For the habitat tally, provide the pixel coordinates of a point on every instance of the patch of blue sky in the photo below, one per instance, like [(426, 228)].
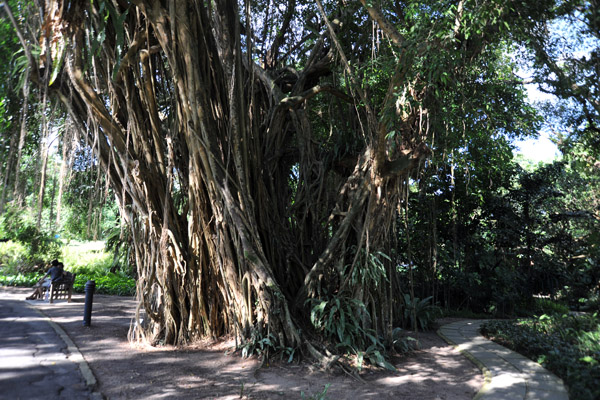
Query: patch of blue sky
[(569, 40)]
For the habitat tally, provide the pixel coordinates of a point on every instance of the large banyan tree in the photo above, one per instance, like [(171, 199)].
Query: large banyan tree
[(260, 151)]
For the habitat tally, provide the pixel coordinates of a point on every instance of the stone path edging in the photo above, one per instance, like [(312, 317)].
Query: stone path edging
[(508, 375)]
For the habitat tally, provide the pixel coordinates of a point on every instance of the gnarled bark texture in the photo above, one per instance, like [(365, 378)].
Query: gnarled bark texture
[(250, 184)]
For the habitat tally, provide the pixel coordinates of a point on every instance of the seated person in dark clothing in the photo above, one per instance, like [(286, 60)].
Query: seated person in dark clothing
[(54, 274)]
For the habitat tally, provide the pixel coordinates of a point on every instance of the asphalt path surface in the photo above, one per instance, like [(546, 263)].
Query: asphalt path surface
[(34, 359)]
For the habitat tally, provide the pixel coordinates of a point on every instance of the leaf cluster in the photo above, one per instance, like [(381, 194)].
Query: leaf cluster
[(339, 319)]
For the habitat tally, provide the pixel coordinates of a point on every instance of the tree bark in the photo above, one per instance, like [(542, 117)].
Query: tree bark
[(7, 171), (67, 142), (240, 210)]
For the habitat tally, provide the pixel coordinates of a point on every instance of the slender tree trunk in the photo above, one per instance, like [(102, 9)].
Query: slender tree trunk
[(67, 142), (19, 195), (7, 171), (42, 184), (434, 250), (44, 145), (52, 200)]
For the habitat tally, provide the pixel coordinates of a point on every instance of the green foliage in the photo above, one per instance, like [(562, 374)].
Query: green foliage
[(90, 261), (339, 319), (504, 235), (369, 271), (259, 344), (13, 255), (86, 257), (549, 306), (39, 244), (110, 284), (401, 342), (423, 311), (20, 279), (567, 345), (118, 243)]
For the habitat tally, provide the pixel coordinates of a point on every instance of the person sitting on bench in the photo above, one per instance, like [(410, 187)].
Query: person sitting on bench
[(54, 275)]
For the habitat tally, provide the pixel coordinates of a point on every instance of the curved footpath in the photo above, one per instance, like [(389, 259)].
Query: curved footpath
[(508, 375), (39, 360)]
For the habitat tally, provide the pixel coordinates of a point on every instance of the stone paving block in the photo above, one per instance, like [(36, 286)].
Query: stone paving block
[(451, 327), (505, 391), (496, 348), (454, 336), (516, 356), (545, 376), (491, 360), (527, 365), (480, 341), (470, 332), (545, 385), (546, 395)]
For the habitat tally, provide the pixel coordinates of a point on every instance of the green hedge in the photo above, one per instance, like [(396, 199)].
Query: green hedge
[(110, 283)]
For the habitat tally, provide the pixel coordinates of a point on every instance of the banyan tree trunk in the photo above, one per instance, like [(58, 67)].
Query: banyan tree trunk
[(200, 143)]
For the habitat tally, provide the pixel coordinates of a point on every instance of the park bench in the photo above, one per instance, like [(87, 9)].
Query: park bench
[(61, 289)]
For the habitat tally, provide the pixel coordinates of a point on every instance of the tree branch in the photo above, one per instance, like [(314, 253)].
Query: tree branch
[(30, 59)]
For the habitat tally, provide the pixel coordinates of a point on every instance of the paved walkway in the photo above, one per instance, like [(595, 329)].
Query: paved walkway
[(508, 375), (37, 359)]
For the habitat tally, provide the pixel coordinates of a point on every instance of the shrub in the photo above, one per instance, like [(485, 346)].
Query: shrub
[(39, 244), (111, 284), (339, 319), (423, 311), (12, 256), (86, 258), (27, 280), (550, 307)]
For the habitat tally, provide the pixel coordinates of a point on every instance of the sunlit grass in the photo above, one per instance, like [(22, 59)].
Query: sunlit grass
[(86, 257)]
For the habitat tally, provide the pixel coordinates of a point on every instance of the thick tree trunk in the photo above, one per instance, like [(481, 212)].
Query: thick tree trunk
[(201, 144)]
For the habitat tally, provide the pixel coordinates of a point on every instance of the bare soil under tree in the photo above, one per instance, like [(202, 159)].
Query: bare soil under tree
[(212, 370)]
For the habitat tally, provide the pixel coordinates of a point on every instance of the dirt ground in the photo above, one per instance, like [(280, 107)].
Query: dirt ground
[(212, 371)]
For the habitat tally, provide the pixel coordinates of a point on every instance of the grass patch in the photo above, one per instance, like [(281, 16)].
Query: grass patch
[(567, 345), (86, 258)]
